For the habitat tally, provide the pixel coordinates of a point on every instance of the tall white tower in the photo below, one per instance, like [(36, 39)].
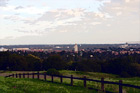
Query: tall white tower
[(76, 48)]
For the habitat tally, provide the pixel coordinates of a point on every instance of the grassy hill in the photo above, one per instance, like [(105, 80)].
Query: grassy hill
[(14, 85), (36, 86), (108, 77)]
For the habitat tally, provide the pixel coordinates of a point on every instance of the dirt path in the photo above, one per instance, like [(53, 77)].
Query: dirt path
[(26, 76), (6, 73)]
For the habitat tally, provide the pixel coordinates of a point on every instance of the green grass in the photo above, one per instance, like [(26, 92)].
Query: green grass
[(88, 74), (14, 85), (108, 77), (80, 89)]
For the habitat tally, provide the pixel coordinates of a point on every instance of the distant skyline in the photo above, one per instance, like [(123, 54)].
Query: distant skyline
[(69, 21)]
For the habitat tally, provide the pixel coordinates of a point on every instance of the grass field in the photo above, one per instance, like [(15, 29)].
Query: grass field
[(108, 77), (14, 85), (36, 86)]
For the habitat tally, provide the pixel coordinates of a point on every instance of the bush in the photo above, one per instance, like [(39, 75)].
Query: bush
[(53, 72), (124, 74)]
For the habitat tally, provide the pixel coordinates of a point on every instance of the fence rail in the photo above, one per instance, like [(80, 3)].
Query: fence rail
[(85, 79)]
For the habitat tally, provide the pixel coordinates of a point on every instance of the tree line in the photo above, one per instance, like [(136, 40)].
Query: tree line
[(123, 65)]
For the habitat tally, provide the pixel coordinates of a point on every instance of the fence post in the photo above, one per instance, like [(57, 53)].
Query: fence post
[(16, 75), (61, 79), (33, 75), (45, 76), (23, 75), (71, 80), (28, 75), (120, 86), (102, 84), (38, 75), (12, 75), (52, 78), (19, 75), (85, 83)]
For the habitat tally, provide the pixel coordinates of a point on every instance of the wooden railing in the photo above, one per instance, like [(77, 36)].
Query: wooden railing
[(85, 79)]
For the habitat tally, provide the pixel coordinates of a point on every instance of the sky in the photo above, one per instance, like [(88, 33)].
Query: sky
[(69, 21)]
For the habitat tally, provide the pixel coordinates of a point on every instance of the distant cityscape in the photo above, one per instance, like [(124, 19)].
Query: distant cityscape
[(115, 49)]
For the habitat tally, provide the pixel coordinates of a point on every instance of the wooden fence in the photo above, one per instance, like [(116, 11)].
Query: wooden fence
[(85, 79)]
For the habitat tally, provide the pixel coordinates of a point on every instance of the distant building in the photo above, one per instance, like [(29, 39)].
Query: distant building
[(58, 47), (124, 46), (3, 49), (21, 49), (81, 53), (91, 56), (76, 48)]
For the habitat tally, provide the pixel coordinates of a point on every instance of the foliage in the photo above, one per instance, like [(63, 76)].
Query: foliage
[(88, 65), (123, 65), (54, 61), (53, 72), (33, 62), (16, 62)]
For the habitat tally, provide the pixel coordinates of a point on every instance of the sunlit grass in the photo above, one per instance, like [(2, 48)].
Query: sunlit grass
[(14, 85), (91, 75)]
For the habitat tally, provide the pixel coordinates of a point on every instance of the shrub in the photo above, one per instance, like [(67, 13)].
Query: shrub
[(124, 74), (53, 72)]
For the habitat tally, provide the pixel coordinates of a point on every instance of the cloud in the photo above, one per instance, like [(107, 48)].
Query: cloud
[(122, 7), (3, 2), (116, 21), (63, 20), (127, 1), (25, 10), (61, 14), (96, 23), (17, 18), (118, 13), (19, 7)]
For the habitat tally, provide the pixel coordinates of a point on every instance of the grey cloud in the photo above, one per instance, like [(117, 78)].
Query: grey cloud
[(94, 26), (3, 2), (127, 8), (22, 31), (59, 14), (13, 17), (85, 20), (56, 15), (48, 16), (19, 7)]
